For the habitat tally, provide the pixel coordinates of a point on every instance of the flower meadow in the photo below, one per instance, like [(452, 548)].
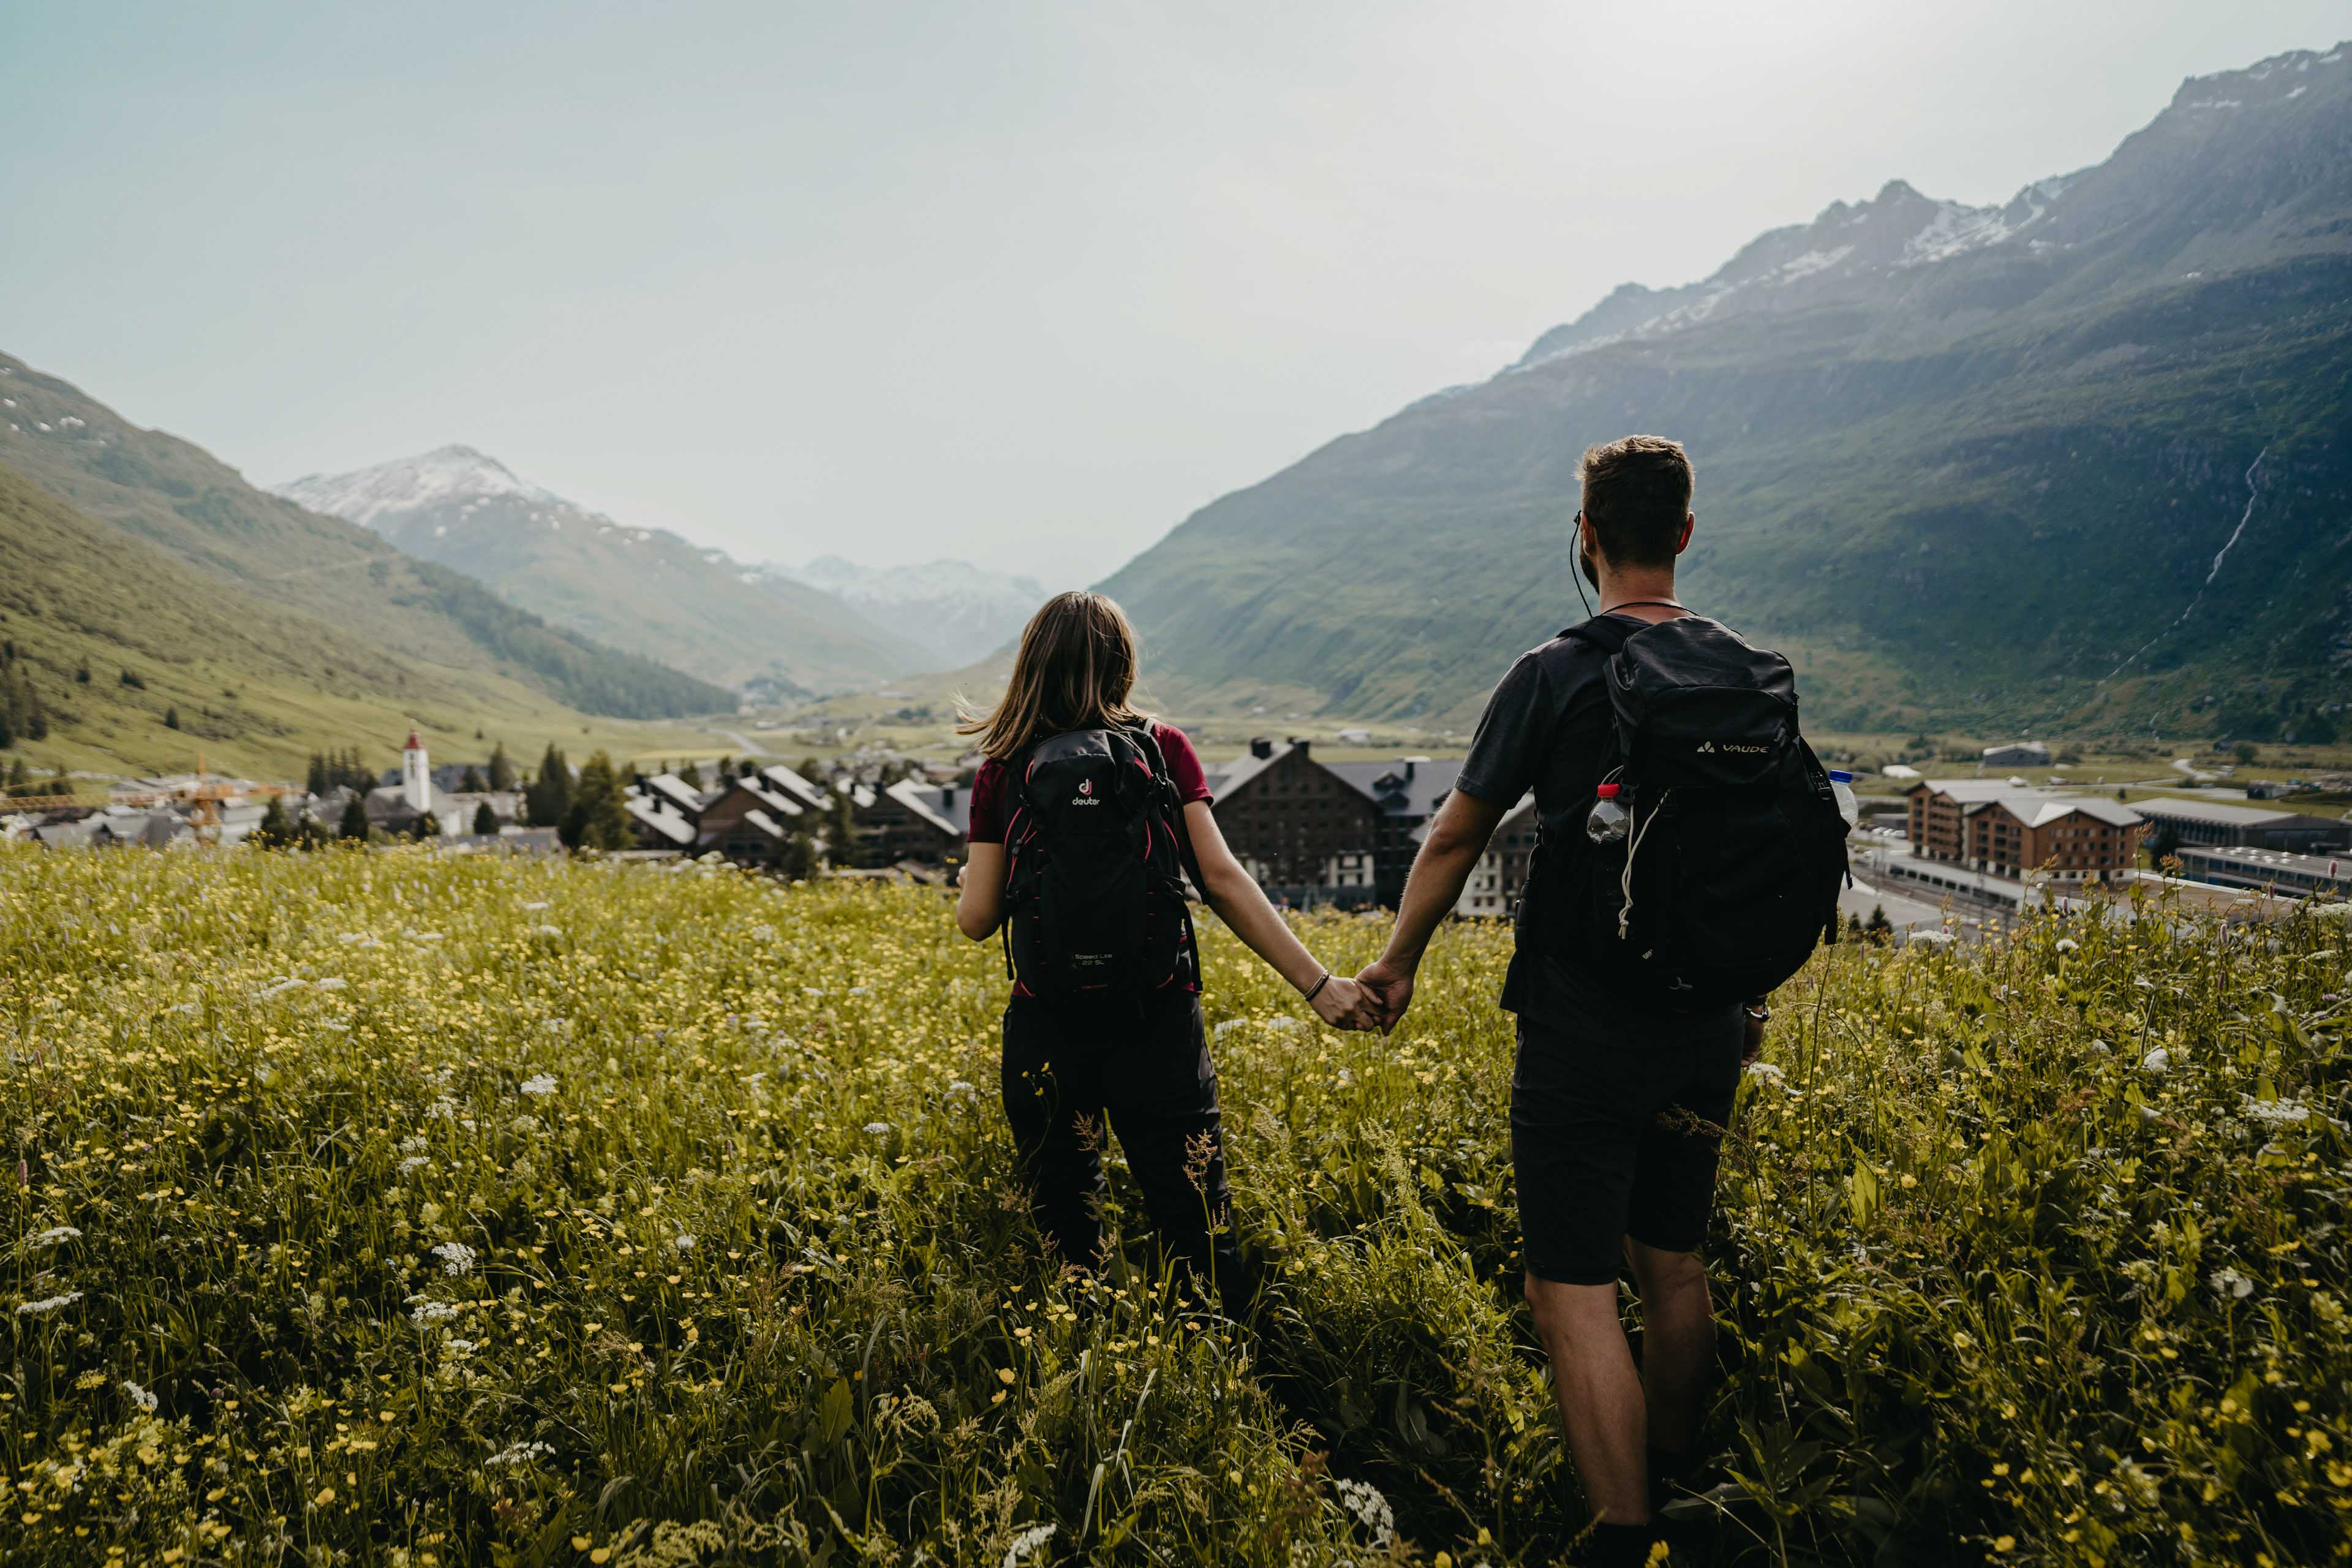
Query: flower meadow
[(387, 1206)]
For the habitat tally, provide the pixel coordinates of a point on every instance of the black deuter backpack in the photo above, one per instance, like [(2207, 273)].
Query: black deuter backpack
[(1094, 857), (1729, 876)]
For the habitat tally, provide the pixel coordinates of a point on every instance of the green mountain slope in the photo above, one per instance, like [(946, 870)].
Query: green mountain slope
[(182, 500), (644, 589), (1969, 466), (255, 686)]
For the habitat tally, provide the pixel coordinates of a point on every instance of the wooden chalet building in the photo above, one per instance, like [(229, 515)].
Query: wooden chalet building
[(1314, 832)]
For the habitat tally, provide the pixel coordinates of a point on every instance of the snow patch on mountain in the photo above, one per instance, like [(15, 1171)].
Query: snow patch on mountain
[(445, 474)]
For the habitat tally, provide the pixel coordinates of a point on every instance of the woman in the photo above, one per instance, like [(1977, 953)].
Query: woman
[(1137, 1060)]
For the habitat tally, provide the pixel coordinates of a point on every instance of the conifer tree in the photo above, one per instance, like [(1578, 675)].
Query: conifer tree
[(428, 826), (841, 829), (549, 798), (502, 768), (171, 718), (486, 821), (596, 819), (691, 775), (470, 782), (316, 781), (354, 825), (274, 831)]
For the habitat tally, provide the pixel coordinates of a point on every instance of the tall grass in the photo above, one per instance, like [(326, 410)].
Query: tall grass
[(387, 1207)]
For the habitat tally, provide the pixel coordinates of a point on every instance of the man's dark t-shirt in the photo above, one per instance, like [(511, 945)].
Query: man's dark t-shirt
[(1547, 728)]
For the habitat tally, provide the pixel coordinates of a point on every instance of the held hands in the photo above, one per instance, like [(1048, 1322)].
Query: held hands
[(1388, 986), (1343, 1005)]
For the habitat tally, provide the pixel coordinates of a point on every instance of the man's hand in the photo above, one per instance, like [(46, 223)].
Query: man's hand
[(1344, 1004), (1753, 1045), (1390, 985)]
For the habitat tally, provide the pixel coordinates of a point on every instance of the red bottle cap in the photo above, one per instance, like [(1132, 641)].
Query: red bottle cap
[(1608, 791)]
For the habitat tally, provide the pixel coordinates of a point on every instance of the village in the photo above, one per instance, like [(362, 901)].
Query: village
[(1929, 857)]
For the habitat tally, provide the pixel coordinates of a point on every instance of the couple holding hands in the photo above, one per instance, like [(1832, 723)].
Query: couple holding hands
[(1087, 812)]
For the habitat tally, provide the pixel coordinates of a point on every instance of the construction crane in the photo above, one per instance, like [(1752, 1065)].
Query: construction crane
[(207, 795)]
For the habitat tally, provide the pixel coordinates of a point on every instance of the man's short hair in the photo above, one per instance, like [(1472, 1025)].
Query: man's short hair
[(1637, 490)]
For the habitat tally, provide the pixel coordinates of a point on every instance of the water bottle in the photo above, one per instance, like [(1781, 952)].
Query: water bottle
[(1607, 822), (1842, 790)]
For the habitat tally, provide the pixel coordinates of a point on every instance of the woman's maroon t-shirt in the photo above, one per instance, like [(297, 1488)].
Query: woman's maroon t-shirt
[(988, 812)]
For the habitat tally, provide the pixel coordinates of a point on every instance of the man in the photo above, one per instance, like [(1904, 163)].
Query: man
[(1617, 1106)]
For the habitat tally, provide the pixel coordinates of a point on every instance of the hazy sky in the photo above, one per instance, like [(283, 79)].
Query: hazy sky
[(1023, 283)]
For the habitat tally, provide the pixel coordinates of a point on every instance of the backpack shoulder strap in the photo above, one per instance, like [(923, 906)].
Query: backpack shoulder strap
[(1148, 743), (1603, 632)]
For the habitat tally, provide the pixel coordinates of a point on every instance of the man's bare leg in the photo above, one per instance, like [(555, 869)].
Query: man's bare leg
[(1601, 1397), (1677, 1342)]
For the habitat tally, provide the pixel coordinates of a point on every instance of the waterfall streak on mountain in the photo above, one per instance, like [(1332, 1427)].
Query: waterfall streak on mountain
[(2220, 555)]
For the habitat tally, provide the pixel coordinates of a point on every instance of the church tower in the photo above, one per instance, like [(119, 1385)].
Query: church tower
[(415, 775)]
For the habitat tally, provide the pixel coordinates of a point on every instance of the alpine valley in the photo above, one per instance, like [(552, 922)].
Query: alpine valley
[(2084, 457)]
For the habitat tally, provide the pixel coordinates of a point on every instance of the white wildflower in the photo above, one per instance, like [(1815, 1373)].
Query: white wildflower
[(428, 1312), (961, 1086), (421, 935), (1364, 1501), (1027, 1542), (681, 1243), (536, 904), (876, 1128), (540, 1084), (336, 983), (456, 1257), (525, 1124), (857, 991), (138, 1396), (2068, 944), (43, 1307), (409, 1166), (1766, 1071), (518, 1454), (443, 1110), (547, 930), (56, 1236), (2230, 1282), (2276, 1112), (1284, 1022)]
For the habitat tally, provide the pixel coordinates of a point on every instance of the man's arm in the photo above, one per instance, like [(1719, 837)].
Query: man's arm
[(1458, 837)]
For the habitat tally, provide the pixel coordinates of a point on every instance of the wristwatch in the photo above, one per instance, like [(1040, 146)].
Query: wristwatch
[(1758, 1012)]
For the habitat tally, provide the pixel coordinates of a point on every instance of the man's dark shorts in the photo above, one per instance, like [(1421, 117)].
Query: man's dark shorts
[(1616, 1125)]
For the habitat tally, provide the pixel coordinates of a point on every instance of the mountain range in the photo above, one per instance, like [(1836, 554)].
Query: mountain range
[(957, 611), (643, 589), (157, 605), (2084, 456)]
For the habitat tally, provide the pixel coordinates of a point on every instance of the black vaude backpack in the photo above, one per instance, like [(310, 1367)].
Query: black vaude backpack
[(1728, 876), (1094, 896)]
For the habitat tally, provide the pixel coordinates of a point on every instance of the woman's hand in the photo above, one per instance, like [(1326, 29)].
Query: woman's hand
[(1344, 1004)]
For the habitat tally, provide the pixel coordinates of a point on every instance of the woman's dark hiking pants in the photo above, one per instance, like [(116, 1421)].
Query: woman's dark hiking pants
[(1073, 1069)]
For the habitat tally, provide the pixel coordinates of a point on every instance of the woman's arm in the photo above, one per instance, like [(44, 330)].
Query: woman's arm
[(1240, 903), (980, 899)]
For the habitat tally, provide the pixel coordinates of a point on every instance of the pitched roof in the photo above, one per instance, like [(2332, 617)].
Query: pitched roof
[(680, 794), (772, 799), (783, 778), (910, 794), (1388, 786), (669, 823)]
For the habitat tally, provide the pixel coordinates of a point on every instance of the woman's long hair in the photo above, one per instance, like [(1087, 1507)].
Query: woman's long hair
[(1075, 670)]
